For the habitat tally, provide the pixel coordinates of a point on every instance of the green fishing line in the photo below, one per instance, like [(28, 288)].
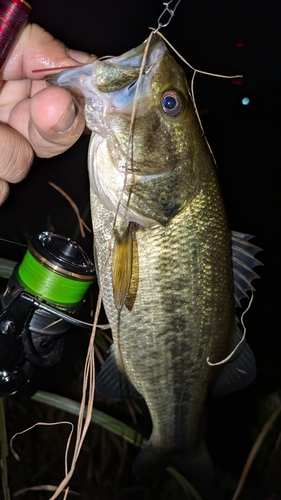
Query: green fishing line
[(47, 284)]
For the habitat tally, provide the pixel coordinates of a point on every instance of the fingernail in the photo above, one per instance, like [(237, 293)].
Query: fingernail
[(67, 119), (79, 56)]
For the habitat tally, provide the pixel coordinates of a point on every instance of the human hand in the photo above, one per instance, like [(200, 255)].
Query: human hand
[(35, 118)]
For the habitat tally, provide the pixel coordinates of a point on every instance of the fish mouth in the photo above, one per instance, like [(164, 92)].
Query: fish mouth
[(108, 76), (116, 92)]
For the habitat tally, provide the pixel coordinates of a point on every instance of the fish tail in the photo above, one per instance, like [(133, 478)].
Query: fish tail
[(191, 463), (194, 463)]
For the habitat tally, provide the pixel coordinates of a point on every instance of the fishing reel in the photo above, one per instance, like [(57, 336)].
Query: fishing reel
[(44, 294)]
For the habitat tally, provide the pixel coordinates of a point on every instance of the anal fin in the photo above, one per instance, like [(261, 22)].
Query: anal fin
[(239, 371)]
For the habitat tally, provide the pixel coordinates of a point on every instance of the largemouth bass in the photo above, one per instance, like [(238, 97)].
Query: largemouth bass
[(167, 284)]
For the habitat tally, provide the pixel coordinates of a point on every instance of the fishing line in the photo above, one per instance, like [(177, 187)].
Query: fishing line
[(243, 336), (13, 242), (188, 64), (133, 118), (42, 279), (192, 85)]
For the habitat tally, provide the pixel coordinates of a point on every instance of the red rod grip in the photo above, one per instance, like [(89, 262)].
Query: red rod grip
[(13, 16)]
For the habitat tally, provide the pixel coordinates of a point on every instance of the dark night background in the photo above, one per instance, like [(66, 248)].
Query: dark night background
[(245, 141)]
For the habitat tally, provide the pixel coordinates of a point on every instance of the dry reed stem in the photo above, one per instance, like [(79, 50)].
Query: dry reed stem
[(75, 208), (43, 487)]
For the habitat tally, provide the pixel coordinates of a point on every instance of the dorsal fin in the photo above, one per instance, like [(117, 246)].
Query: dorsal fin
[(243, 262), (122, 262)]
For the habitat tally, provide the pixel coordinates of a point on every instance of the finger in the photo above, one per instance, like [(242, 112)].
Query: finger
[(36, 49), (50, 121), (80, 56), (11, 93), (4, 191), (16, 155), (56, 122)]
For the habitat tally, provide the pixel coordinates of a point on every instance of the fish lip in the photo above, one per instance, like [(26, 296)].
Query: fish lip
[(71, 79), (80, 80)]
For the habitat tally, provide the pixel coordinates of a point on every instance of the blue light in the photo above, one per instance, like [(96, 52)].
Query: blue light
[(245, 101)]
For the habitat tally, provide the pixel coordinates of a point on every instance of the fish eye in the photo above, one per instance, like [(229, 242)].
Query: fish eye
[(171, 103)]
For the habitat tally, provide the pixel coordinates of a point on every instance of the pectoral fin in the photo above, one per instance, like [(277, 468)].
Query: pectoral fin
[(238, 372), (112, 383)]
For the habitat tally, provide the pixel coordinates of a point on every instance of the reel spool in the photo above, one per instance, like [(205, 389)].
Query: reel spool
[(44, 294)]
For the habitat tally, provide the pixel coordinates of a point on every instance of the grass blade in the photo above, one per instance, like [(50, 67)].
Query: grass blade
[(6, 267), (98, 417), (186, 486), (4, 451), (254, 451)]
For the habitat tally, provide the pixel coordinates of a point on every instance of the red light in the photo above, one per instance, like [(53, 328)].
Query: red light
[(237, 81)]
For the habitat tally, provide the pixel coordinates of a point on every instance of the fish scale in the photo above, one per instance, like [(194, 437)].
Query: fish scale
[(167, 286)]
